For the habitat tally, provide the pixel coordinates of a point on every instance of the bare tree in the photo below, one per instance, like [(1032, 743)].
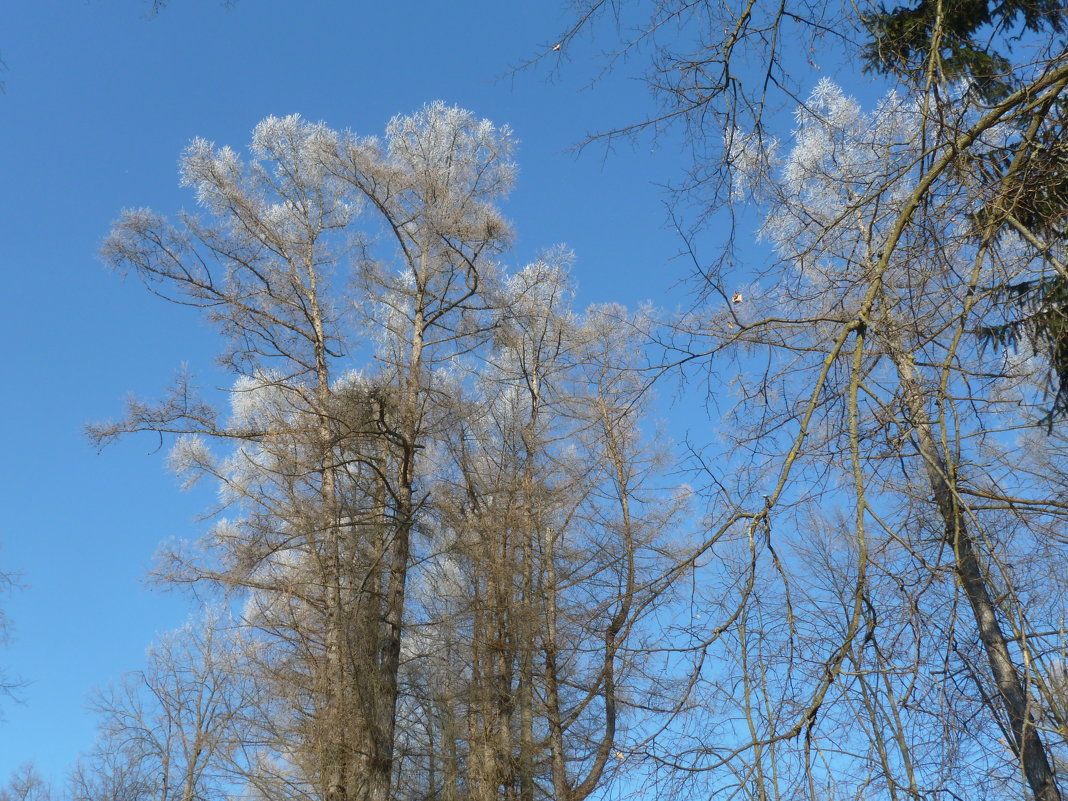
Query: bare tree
[(871, 388), (171, 731), (881, 274), (26, 784), (326, 471), (8, 582), (488, 435), (548, 552)]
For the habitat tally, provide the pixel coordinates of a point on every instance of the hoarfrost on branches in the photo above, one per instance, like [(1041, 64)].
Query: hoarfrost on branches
[(749, 156), (448, 145), (259, 400), (190, 458), (836, 176)]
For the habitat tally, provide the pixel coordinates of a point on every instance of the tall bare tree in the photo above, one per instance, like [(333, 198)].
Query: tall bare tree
[(436, 487), (171, 731), (325, 470), (872, 388), (545, 559), (26, 784)]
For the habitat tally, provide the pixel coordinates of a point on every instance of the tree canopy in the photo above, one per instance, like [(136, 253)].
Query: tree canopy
[(456, 556)]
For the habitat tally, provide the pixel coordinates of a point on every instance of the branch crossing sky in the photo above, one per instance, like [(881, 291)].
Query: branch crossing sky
[(100, 100)]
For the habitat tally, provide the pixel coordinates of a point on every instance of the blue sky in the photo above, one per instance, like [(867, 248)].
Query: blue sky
[(100, 100)]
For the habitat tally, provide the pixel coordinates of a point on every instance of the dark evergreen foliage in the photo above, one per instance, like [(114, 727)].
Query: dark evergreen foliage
[(1042, 323), (965, 32), (1027, 191), (1025, 184)]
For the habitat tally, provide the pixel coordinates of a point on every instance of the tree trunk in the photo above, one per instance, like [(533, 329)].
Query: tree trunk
[(1026, 743), (526, 675), (554, 715)]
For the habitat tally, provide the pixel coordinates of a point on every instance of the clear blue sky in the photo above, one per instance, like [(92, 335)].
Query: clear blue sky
[(100, 101)]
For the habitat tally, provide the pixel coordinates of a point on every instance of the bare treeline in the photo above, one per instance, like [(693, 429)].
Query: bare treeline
[(441, 526), (455, 558)]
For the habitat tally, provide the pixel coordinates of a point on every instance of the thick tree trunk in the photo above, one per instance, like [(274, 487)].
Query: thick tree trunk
[(335, 744), (526, 675), (384, 702), (384, 721), (450, 734), (553, 713), (1026, 743)]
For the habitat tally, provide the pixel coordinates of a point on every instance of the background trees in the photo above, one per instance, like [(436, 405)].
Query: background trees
[(797, 653), (176, 730), (901, 251), (434, 490), (26, 784), (452, 560), (874, 388), (7, 584)]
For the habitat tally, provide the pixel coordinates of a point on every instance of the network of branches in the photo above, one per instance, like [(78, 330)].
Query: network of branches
[(456, 558)]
